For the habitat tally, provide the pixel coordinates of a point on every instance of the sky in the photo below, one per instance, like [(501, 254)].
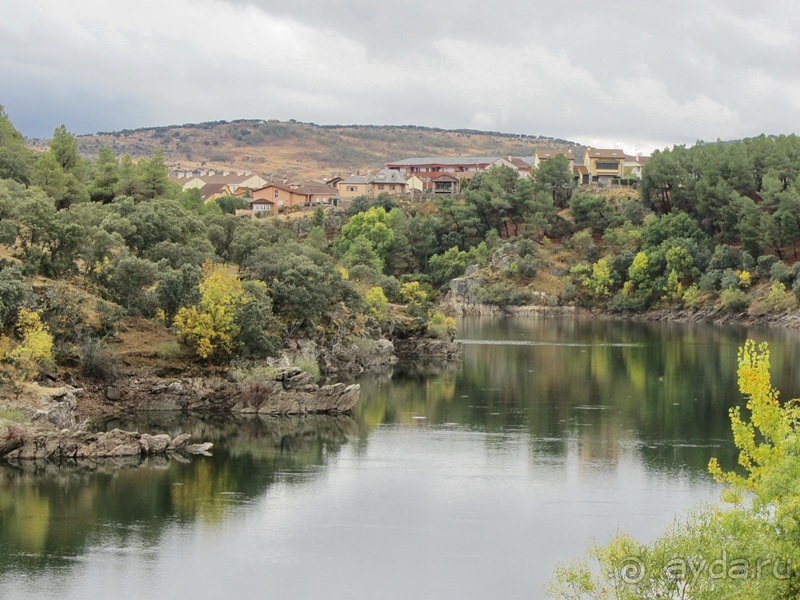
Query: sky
[(633, 74)]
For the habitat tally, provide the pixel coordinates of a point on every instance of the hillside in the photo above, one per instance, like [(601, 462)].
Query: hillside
[(293, 149)]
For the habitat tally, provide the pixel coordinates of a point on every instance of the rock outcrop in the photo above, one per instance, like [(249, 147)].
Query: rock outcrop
[(289, 391), (57, 445)]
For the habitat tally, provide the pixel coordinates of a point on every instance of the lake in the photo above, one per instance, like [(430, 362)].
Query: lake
[(469, 480)]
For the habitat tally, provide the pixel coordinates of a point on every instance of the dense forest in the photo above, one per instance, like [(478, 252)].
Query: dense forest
[(88, 242)]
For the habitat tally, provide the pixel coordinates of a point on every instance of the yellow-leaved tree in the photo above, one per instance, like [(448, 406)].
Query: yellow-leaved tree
[(36, 347), (210, 327)]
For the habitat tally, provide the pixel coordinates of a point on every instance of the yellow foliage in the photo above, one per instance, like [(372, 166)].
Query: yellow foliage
[(377, 302), (745, 279), (412, 293), (760, 439), (36, 347), (211, 327)]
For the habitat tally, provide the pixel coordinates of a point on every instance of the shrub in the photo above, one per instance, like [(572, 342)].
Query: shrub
[(96, 361), (503, 294), (780, 272), (440, 325), (734, 300), (36, 349)]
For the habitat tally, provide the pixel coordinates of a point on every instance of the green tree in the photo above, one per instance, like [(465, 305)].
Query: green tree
[(15, 158), (554, 177)]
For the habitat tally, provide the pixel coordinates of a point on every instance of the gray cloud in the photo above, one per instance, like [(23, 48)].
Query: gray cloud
[(633, 73)]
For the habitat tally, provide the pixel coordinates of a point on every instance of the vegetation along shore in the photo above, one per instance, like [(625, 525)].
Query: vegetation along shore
[(122, 289)]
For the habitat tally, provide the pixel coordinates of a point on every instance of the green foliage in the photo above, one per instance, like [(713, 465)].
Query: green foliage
[(441, 326), (594, 212), (230, 204), (373, 225), (15, 158), (128, 280), (259, 328), (444, 267), (734, 300), (503, 293), (178, 289)]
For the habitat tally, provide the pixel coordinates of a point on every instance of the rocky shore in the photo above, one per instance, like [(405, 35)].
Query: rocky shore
[(55, 431)]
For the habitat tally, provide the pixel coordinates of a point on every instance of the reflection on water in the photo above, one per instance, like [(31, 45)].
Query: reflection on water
[(467, 480)]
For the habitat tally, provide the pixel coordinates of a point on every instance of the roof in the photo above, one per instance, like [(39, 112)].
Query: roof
[(580, 169), (443, 176), (444, 161), (261, 201), (389, 176), (545, 153), (302, 190), (210, 189), (355, 179), (519, 163), (605, 153)]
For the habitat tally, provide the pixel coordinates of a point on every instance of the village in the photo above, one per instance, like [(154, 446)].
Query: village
[(418, 177)]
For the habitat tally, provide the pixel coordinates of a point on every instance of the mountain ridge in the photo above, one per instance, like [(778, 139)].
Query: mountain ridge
[(293, 149)]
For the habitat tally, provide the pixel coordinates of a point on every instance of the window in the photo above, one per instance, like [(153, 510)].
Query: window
[(351, 188), (607, 166), (277, 193), (380, 186)]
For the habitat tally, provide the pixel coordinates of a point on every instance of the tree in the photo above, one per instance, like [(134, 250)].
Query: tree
[(153, 177), (15, 158), (103, 186), (210, 328), (373, 225), (178, 289), (230, 204), (554, 176)]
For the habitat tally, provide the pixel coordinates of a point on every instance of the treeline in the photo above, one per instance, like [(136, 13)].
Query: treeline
[(231, 288), (718, 226)]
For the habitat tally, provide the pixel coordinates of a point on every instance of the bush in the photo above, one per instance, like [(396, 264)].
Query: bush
[(780, 272), (503, 294), (764, 265), (729, 280), (441, 326), (96, 361), (734, 300)]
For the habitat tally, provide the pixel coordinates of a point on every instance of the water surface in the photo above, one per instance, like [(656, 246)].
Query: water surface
[(464, 481)]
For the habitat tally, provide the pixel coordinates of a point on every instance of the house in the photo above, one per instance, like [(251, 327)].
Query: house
[(443, 183), (353, 186), (389, 181), (294, 195), (385, 181), (261, 207), (233, 180), (442, 164), (211, 191), (414, 184), (603, 164), (632, 165), (543, 154)]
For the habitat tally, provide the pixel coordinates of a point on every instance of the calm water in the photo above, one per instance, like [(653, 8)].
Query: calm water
[(466, 482)]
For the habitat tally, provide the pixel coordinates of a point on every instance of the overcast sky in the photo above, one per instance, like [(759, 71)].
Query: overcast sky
[(632, 73)]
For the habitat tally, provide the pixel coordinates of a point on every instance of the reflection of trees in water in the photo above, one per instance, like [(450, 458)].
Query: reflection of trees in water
[(49, 511), (660, 389)]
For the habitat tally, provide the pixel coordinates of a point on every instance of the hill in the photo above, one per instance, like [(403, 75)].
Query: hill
[(293, 149)]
